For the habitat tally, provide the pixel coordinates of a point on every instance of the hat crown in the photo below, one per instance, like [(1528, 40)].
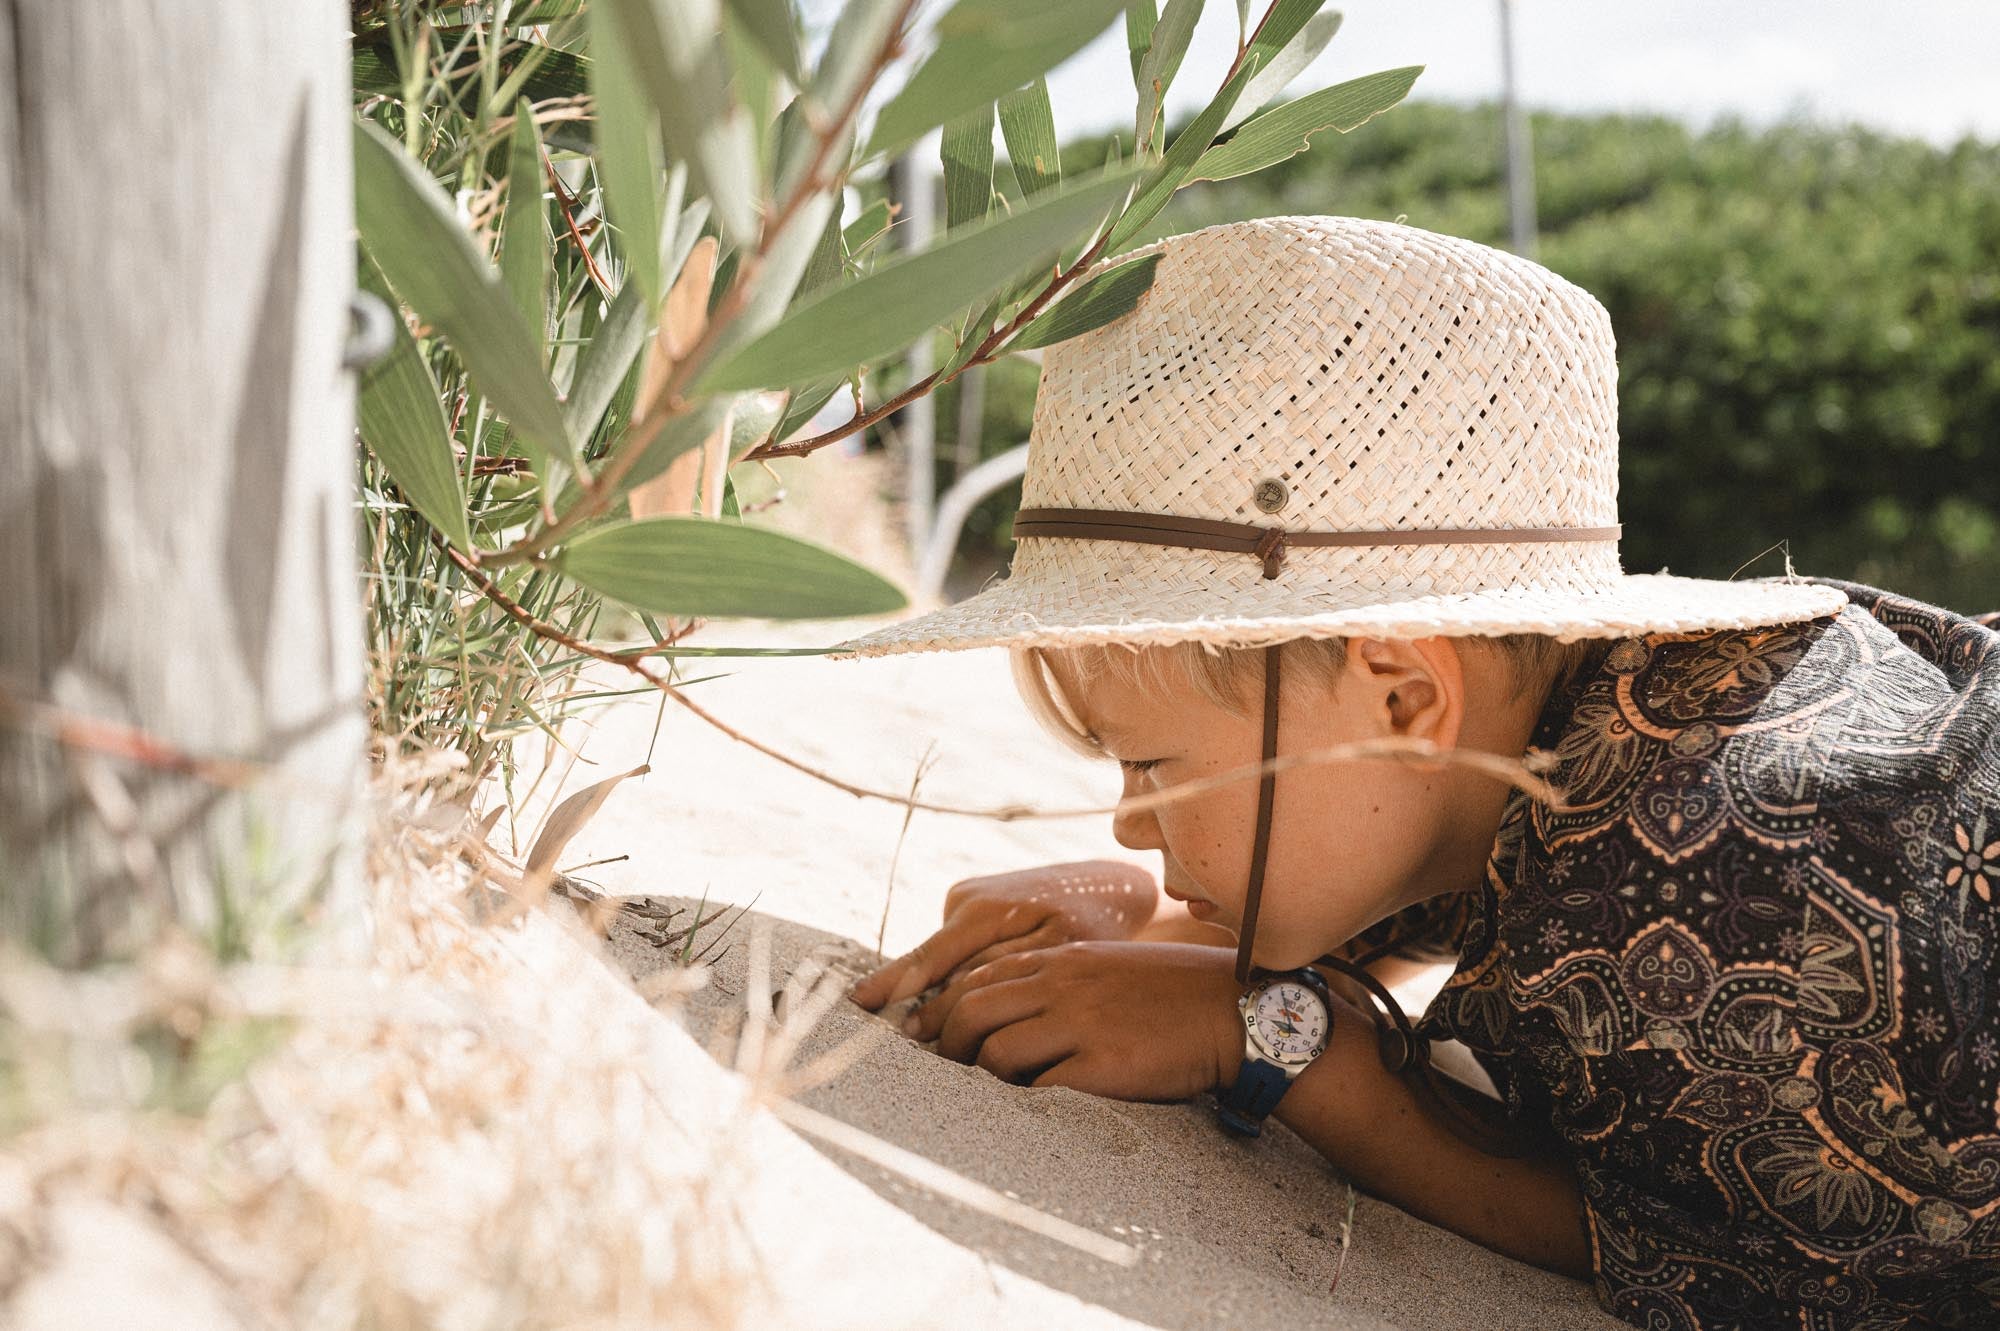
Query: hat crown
[(1339, 374), (1345, 378)]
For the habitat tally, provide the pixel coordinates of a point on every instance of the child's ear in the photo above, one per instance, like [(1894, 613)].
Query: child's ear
[(1415, 686)]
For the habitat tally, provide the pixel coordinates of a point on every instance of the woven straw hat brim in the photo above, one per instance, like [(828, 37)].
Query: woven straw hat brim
[(1024, 613)]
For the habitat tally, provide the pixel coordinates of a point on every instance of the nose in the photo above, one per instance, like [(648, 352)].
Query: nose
[(1136, 829)]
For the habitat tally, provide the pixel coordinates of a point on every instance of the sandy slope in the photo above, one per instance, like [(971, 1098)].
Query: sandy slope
[(1230, 1235)]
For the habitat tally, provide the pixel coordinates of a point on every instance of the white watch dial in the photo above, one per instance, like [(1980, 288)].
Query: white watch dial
[(1289, 1020)]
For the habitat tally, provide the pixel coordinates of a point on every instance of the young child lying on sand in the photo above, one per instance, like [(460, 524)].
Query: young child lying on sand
[(1730, 968)]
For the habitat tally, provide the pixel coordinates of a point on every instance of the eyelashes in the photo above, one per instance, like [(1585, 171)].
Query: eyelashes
[(1141, 765)]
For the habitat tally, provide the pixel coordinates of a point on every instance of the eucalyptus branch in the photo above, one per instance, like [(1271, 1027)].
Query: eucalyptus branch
[(566, 205), (936, 379), (667, 403), (829, 134), (987, 349)]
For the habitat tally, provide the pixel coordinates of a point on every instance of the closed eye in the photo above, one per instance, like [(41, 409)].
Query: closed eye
[(1140, 765)]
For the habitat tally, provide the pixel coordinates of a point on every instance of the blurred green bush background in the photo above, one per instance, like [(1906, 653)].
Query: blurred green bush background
[(1808, 326)]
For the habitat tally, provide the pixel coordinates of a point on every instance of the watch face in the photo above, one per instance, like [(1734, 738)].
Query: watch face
[(1289, 1021)]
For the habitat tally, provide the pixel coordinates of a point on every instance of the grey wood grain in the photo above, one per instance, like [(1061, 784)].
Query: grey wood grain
[(176, 465)]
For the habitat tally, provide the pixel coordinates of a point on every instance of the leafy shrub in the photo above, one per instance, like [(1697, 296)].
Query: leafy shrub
[(1808, 324)]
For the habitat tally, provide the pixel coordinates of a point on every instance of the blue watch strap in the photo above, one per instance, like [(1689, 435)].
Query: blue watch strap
[(1246, 1104)]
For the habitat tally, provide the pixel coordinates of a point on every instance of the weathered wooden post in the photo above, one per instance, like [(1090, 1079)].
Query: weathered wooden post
[(176, 472)]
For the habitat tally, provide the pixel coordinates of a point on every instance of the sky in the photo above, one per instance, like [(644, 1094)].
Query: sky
[(1926, 68)]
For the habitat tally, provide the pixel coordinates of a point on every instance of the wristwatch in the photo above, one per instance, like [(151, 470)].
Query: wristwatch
[(1287, 1021)]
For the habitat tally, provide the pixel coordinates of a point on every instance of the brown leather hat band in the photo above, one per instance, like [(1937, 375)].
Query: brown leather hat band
[(1267, 543)]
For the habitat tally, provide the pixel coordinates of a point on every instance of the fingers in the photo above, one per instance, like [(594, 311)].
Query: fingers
[(1048, 935), (873, 989), (1020, 1052), (987, 1009), (928, 1021), (965, 932)]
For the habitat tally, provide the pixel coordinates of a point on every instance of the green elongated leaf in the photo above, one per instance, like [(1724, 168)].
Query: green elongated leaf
[(525, 256), (862, 234), (674, 251), (1187, 148), (629, 155), (861, 32), (977, 328), (824, 266), (1285, 66), (1097, 302), (433, 264), (1287, 130), (373, 74), (401, 418), (769, 24), (756, 414), (967, 154), (791, 147), (1028, 124), (1280, 24), (986, 48), (1140, 19), (1163, 60), (605, 361), (883, 312), (753, 86), (805, 403), (697, 566), (542, 11), (776, 278), (677, 55)]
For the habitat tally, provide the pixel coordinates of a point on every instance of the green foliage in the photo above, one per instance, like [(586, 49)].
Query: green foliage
[(550, 361), (1807, 319), (686, 566), (1028, 123), (889, 309), (1092, 305), (986, 48), (1288, 130)]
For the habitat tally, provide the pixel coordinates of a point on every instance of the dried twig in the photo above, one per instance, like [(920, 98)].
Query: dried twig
[(889, 888), (955, 1187)]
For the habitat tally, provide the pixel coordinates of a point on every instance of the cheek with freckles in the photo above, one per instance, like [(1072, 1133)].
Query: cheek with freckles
[(1211, 836)]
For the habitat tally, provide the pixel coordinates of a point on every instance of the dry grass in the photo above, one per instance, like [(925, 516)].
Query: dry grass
[(437, 1140)]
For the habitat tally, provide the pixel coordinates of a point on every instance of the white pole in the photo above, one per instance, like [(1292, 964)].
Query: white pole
[(1520, 153)]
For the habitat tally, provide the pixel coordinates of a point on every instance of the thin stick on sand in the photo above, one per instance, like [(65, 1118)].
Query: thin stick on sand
[(956, 1187)]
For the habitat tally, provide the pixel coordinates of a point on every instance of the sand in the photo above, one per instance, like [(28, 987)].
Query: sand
[(1228, 1233)]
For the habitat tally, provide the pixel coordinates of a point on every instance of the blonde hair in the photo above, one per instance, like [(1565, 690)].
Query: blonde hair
[(1225, 675)]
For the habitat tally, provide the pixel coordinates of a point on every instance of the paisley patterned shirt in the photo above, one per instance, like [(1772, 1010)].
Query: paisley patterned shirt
[(1748, 972)]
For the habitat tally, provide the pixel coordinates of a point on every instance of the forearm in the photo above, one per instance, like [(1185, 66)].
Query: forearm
[(1132, 895), (1392, 1143)]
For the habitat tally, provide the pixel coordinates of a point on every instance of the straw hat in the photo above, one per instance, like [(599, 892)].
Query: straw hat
[(1328, 426)]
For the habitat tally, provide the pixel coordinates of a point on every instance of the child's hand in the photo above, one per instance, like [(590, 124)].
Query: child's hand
[(1139, 1021), (1001, 914)]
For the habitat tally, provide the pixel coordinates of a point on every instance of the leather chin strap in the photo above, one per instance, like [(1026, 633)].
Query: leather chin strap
[(1402, 1050), (1267, 786)]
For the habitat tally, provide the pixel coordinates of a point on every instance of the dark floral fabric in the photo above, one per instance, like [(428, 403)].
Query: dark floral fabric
[(1748, 975)]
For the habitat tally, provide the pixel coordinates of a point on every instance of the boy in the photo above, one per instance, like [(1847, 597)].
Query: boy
[(1732, 984)]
